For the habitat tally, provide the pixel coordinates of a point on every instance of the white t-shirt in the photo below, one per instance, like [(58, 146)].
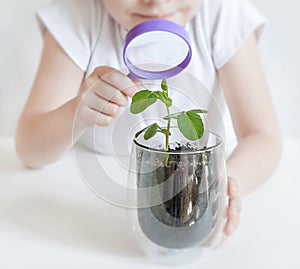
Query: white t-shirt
[(92, 38)]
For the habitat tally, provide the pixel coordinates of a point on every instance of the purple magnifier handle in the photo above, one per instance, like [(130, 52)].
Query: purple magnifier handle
[(151, 26)]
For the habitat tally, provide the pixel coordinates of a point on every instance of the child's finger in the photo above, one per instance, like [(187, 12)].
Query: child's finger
[(236, 203), (233, 211), (95, 76), (222, 241), (139, 84), (232, 187), (233, 216), (121, 82), (231, 226), (104, 106), (109, 93), (103, 71)]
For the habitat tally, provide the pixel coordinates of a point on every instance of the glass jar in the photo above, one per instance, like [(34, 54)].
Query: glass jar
[(180, 197)]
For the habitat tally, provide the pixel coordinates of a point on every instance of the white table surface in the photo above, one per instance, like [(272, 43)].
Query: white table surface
[(49, 218)]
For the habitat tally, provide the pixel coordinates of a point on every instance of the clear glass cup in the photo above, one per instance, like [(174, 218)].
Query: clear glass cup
[(179, 197)]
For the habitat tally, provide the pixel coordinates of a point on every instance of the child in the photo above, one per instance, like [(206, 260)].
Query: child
[(83, 41)]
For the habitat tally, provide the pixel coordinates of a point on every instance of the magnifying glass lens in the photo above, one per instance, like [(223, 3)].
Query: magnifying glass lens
[(156, 49)]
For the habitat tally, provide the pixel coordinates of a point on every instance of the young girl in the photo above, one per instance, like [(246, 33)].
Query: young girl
[(83, 42)]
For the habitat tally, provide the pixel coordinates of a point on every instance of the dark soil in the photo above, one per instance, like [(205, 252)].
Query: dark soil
[(185, 202)]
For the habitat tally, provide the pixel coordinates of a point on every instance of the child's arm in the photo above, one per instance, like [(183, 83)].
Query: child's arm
[(45, 129), (259, 142)]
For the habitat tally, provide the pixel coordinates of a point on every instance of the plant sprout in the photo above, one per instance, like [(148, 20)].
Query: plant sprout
[(189, 122)]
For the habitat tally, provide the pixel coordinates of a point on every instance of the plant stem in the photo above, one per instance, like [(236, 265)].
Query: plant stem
[(168, 129), (167, 136)]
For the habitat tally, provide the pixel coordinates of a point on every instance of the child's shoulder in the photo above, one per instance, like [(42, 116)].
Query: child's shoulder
[(75, 3), (228, 15), (225, 25), (224, 8), (82, 16), (75, 8), (74, 24)]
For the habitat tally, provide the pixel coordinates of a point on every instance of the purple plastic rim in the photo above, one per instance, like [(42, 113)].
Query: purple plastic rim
[(150, 26)]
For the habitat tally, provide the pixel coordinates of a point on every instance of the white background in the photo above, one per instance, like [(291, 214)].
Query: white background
[(20, 47)]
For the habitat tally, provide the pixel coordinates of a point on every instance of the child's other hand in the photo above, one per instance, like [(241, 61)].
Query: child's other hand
[(102, 95), (233, 210)]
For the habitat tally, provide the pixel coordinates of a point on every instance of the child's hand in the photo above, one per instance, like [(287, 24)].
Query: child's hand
[(102, 95), (233, 210)]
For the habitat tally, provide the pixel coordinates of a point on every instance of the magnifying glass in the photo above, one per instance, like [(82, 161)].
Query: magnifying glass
[(155, 49)]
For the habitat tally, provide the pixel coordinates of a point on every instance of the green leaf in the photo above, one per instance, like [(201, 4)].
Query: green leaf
[(173, 116), (151, 131), (198, 111), (164, 85), (191, 126), (162, 96), (141, 100), (141, 131)]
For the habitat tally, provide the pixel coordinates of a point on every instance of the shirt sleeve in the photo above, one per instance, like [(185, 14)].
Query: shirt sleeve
[(236, 21), (73, 23)]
